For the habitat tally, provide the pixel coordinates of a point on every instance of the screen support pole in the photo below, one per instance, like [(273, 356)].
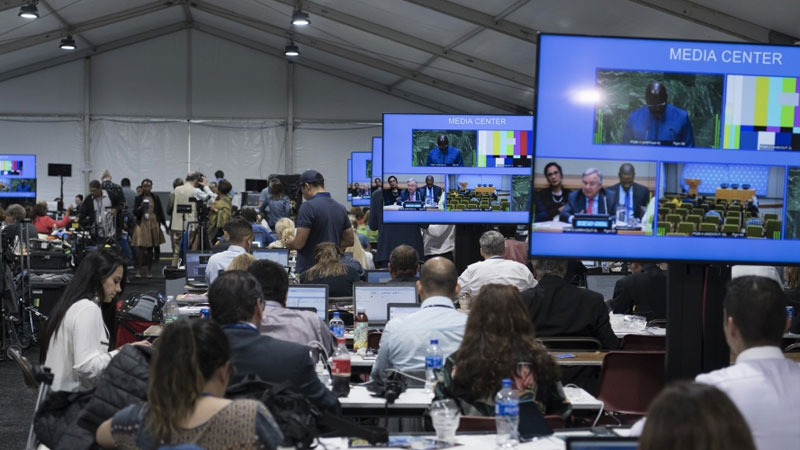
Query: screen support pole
[(61, 193), (695, 339)]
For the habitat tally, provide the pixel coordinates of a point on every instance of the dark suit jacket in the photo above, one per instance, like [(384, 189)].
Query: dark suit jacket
[(392, 234), (560, 309), (576, 203), (86, 215), (275, 361), (641, 197), (419, 194), (646, 291), (437, 192)]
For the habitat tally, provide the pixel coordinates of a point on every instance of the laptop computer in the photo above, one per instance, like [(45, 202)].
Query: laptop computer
[(278, 255), (375, 297), (309, 296), (601, 443), (196, 268), (395, 310), (378, 276)]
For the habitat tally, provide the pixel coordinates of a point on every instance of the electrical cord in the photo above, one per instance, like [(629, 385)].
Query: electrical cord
[(402, 373)]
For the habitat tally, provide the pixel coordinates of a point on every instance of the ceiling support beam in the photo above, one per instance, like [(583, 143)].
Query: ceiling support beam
[(80, 54), (344, 75), (478, 18), (11, 4), (719, 21), (366, 60), (78, 28), (414, 42)]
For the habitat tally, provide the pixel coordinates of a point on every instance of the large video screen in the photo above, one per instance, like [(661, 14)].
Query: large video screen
[(17, 179), (358, 189), (444, 168), (377, 159), (666, 150)]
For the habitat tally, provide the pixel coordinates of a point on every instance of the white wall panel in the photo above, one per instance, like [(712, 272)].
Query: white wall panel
[(52, 142), (322, 96), (146, 79), (137, 150), (58, 90), (240, 150), (326, 148), (229, 80)]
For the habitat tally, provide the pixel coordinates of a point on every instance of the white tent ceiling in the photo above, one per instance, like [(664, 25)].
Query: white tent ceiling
[(467, 55)]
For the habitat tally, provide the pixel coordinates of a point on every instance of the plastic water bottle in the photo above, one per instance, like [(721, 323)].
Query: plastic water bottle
[(506, 415), (337, 325), (170, 310), (433, 363), (340, 370)]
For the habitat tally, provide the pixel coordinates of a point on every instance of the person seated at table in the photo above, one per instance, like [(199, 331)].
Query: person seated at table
[(792, 291), (405, 339), (695, 416), (280, 322), (237, 305), (45, 224), (403, 263), (560, 309), (242, 262), (494, 268), (329, 269), (499, 342), (186, 403), (644, 292)]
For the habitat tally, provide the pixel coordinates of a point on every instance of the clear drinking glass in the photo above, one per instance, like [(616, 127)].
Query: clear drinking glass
[(445, 417)]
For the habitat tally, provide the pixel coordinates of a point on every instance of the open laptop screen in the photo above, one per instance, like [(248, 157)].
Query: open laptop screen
[(395, 310), (374, 298), (278, 255), (196, 266), (378, 276), (309, 296)]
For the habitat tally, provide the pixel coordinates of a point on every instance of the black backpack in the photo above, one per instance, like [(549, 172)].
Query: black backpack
[(142, 307)]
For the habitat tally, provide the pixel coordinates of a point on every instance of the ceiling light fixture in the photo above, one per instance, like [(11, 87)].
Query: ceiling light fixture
[(29, 11), (291, 50), (68, 43), (300, 18)]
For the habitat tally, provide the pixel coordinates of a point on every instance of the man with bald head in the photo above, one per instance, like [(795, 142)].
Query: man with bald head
[(405, 339), (658, 122), (630, 195)]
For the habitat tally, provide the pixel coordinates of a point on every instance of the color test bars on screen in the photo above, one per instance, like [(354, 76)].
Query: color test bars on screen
[(10, 167), (762, 113), (505, 148)]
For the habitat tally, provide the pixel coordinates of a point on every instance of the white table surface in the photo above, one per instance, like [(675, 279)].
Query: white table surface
[(417, 398), (469, 442)]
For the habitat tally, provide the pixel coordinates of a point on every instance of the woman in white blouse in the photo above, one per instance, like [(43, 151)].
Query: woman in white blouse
[(76, 338)]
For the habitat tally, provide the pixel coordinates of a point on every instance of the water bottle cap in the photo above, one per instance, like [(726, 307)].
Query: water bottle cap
[(360, 309), (336, 314), (506, 383), (434, 342)]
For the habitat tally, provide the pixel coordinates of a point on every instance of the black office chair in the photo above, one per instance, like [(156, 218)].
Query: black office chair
[(37, 378)]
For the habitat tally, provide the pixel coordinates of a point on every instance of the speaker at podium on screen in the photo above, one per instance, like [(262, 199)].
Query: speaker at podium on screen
[(692, 183)]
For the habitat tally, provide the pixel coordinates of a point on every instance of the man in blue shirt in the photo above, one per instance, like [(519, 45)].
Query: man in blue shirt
[(444, 154), (658, 122), (320, 219)]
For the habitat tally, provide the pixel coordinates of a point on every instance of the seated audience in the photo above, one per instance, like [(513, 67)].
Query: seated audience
[(240, 236), (284, 228), (15, 216), (560, 309), (494, 269), (643, 293), (405, 339), (763, 382), (328, 269), (363, 258), (237, 305), (404, 263), (75, 339), (45, 224), (514, 250), (694, 416), (499, 342), (279, 322), (242, 262), (189, 373)]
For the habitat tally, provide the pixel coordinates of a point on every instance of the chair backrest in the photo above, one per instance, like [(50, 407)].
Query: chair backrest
[(694, 218), (683, 212), (754, 231), (25, 366), (571, 343), (707, 226), (698, 212), (730, 228), (686, 227), (712, 219), (643, 342), (629, 381), (770, 216), (476, 423), (671, 206), (673, 219), (792, 348), (773, 229), (374, 340), (732, 220), (734, 214)]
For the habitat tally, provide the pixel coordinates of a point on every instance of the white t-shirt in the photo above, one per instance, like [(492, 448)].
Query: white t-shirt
[(78, 351)]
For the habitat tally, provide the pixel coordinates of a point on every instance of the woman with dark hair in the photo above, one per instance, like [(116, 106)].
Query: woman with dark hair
[(329, 269), (694, 416), (45, 224), (277, 205), (391, 195), (499, 342), (377, 183), (220, 210), (551, 200), (76, 338), (147, 235), (189, 372)]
